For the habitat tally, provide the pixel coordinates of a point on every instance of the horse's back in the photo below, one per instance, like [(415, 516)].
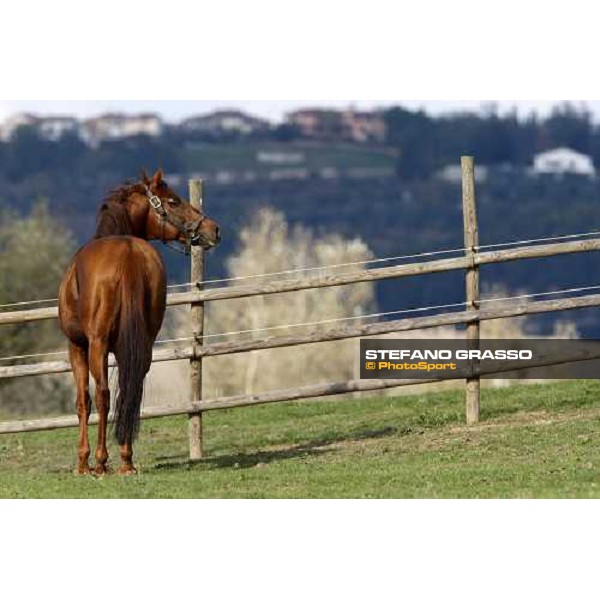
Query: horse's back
[(105, 274), (105, 259)]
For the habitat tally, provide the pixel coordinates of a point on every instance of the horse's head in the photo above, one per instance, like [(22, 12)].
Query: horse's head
[(170, 218)]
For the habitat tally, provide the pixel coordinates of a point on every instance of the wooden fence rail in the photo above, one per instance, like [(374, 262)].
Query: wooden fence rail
[(306, 392), (319, 281), (329, 335), (476, 310)]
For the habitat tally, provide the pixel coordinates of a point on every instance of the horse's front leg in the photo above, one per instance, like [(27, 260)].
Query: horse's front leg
[(79, 366)]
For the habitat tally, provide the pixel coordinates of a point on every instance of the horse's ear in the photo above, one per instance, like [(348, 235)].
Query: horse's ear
[(145, 177), (158, 177)]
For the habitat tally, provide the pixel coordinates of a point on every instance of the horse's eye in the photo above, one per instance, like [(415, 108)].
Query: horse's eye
[(173, 201)]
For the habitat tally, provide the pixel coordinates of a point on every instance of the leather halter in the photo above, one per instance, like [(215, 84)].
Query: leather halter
[(189, 230)]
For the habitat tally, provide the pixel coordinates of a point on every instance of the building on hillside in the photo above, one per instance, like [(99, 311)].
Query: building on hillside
[(560, 161), (332, 125), (51, 128), (55, 127), (363, 126), (317, 123), (10, 126), (223, 122), (92, 131), (116, 126)]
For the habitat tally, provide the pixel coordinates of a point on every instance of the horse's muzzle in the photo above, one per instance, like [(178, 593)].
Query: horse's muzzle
[(199, 240), (207, 241)]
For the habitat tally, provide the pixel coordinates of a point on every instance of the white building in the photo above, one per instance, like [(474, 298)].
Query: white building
[(54, 128), (49, 128), (10, 126), (115, 126), (224, 121), (563, 160)]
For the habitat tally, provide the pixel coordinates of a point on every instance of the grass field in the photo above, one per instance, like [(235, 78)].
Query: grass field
[(242, 156), (533, 441)]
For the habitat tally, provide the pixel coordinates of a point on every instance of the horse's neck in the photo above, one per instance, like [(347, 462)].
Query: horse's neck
[(114, 219)]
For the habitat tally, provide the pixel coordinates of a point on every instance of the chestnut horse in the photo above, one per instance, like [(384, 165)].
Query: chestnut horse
[(112, 299)]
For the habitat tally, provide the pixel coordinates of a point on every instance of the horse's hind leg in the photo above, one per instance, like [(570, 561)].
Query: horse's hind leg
[(127, 467), (98, 357), (79, 365), (126, 449)]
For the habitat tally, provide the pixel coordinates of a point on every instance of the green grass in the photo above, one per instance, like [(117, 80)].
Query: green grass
[(533, 441), (242, 156)]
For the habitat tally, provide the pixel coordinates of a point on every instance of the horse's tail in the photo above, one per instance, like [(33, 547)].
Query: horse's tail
[(133, 351)]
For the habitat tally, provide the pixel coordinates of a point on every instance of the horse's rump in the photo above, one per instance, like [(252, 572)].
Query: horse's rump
[(113, 273)]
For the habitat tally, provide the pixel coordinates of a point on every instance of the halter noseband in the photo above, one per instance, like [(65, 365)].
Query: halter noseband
[(190, 231)]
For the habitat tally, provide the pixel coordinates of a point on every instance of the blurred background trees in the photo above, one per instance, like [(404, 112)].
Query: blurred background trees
[(427, 143), (35, 251), (269, 244)]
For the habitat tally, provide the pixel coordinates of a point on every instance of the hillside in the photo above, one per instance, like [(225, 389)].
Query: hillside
[(535, 441), (394, 217), (264, 157), (354, 190)]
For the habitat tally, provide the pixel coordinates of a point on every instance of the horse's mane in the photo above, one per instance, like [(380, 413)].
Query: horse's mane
[(112, 217)]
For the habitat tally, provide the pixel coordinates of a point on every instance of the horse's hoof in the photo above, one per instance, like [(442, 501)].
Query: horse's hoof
[(101, 470), (82, 471), (127, 470)]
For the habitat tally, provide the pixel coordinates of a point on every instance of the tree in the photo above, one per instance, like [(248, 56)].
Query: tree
[(414, 134), (269, 244), (35, 251), (27, 153), (569, 126)]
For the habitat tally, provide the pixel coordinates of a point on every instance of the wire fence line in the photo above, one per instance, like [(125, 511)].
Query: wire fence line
[(346, 264), (462, 304), (538, 240), (333, 266), (274, 273), (401, 257)]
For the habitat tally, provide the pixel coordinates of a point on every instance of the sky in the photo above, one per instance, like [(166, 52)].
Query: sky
[(274, 110)]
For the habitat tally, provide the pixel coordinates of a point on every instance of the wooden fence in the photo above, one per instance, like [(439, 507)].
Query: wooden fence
[(473, 314)]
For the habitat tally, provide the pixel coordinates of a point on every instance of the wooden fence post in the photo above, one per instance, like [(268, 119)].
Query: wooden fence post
[(471, 234), (197, 317)]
